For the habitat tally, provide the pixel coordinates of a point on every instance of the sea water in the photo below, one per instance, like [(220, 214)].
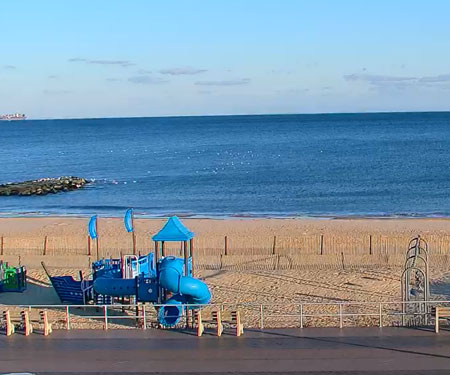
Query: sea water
[(387, 164)]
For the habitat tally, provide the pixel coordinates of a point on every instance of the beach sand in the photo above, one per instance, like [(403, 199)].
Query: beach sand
[(377, 283)]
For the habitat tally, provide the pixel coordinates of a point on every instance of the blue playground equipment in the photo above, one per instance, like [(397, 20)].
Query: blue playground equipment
[(163, 280)]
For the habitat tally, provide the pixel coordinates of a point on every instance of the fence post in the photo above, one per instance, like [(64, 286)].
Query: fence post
[(2, 245), (45, 246), (370, 245), (88, 245), (340, 316), (321, 244), (67, 318), (261, 317), (105, 314), (226, 245), (274, 247), (301, 316), (381, 314)]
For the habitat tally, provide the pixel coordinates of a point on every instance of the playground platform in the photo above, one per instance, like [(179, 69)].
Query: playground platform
[(367, 351)]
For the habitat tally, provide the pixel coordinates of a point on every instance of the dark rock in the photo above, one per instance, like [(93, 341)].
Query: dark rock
[(43, 186)]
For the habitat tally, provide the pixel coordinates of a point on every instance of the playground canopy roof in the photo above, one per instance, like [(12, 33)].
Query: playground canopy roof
[(173, 230)]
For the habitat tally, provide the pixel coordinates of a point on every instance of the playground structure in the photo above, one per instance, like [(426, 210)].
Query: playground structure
[(415, 282), (12, 279), (153, 278)]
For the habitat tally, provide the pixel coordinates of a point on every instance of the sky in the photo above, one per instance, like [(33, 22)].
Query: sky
[(115, 58)]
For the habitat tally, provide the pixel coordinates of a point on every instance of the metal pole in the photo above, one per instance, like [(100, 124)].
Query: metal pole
[(191, 254), (261, 317), (380, 311), (340, 316), (105, 314), (96, 240), (67, 318), (301, 316), (186, 256), (144, 319)]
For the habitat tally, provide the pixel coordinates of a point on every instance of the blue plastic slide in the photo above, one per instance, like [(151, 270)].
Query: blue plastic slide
[(187, 290)]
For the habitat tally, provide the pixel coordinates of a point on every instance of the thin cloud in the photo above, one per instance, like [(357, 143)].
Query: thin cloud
[(113, 79), (57, 92), (236, 82), (52, 77), (374, 78), (146, 80), (292, 91), (143, 71), (400, 82), (436, 79), (382, 82), (182, 71), (9, 67), (122, 63)]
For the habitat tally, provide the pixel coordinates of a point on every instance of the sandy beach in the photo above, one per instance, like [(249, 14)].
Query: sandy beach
[(342, 276)]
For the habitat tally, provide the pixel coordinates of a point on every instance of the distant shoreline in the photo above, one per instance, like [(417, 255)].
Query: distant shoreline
[(36, 215), (241, 115)]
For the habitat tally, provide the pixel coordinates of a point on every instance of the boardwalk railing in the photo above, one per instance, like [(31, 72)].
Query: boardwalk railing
[(257, 316)]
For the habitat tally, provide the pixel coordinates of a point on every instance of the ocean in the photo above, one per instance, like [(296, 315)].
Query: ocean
[(327, 165)]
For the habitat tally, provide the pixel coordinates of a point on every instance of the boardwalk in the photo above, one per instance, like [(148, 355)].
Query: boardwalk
[(328, 351)]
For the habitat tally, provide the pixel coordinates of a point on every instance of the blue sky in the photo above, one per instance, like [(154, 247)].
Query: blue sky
[(84, 58)]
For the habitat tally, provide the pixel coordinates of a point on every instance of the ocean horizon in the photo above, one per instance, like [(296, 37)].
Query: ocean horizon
[(384, 164)]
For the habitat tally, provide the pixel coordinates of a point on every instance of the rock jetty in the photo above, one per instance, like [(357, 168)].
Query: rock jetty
[(43, 186)]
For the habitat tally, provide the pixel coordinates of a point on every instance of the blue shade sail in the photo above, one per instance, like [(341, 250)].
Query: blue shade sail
[(173, 230)]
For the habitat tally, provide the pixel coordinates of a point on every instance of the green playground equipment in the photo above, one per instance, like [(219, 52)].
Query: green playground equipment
[(12, 279)]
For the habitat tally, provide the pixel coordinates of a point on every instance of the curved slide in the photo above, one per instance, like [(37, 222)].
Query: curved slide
[(187, 290)]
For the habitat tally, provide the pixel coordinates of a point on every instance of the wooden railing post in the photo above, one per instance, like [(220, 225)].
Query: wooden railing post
[(199, 322), (47, 326), (2, 246), (9, 327), (321, 245), (27, 327), (274, 246)]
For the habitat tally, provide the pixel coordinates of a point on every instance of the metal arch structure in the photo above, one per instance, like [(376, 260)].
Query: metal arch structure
[(415, 279)]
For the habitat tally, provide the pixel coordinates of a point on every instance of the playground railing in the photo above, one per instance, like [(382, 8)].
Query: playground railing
[(257, 316)]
